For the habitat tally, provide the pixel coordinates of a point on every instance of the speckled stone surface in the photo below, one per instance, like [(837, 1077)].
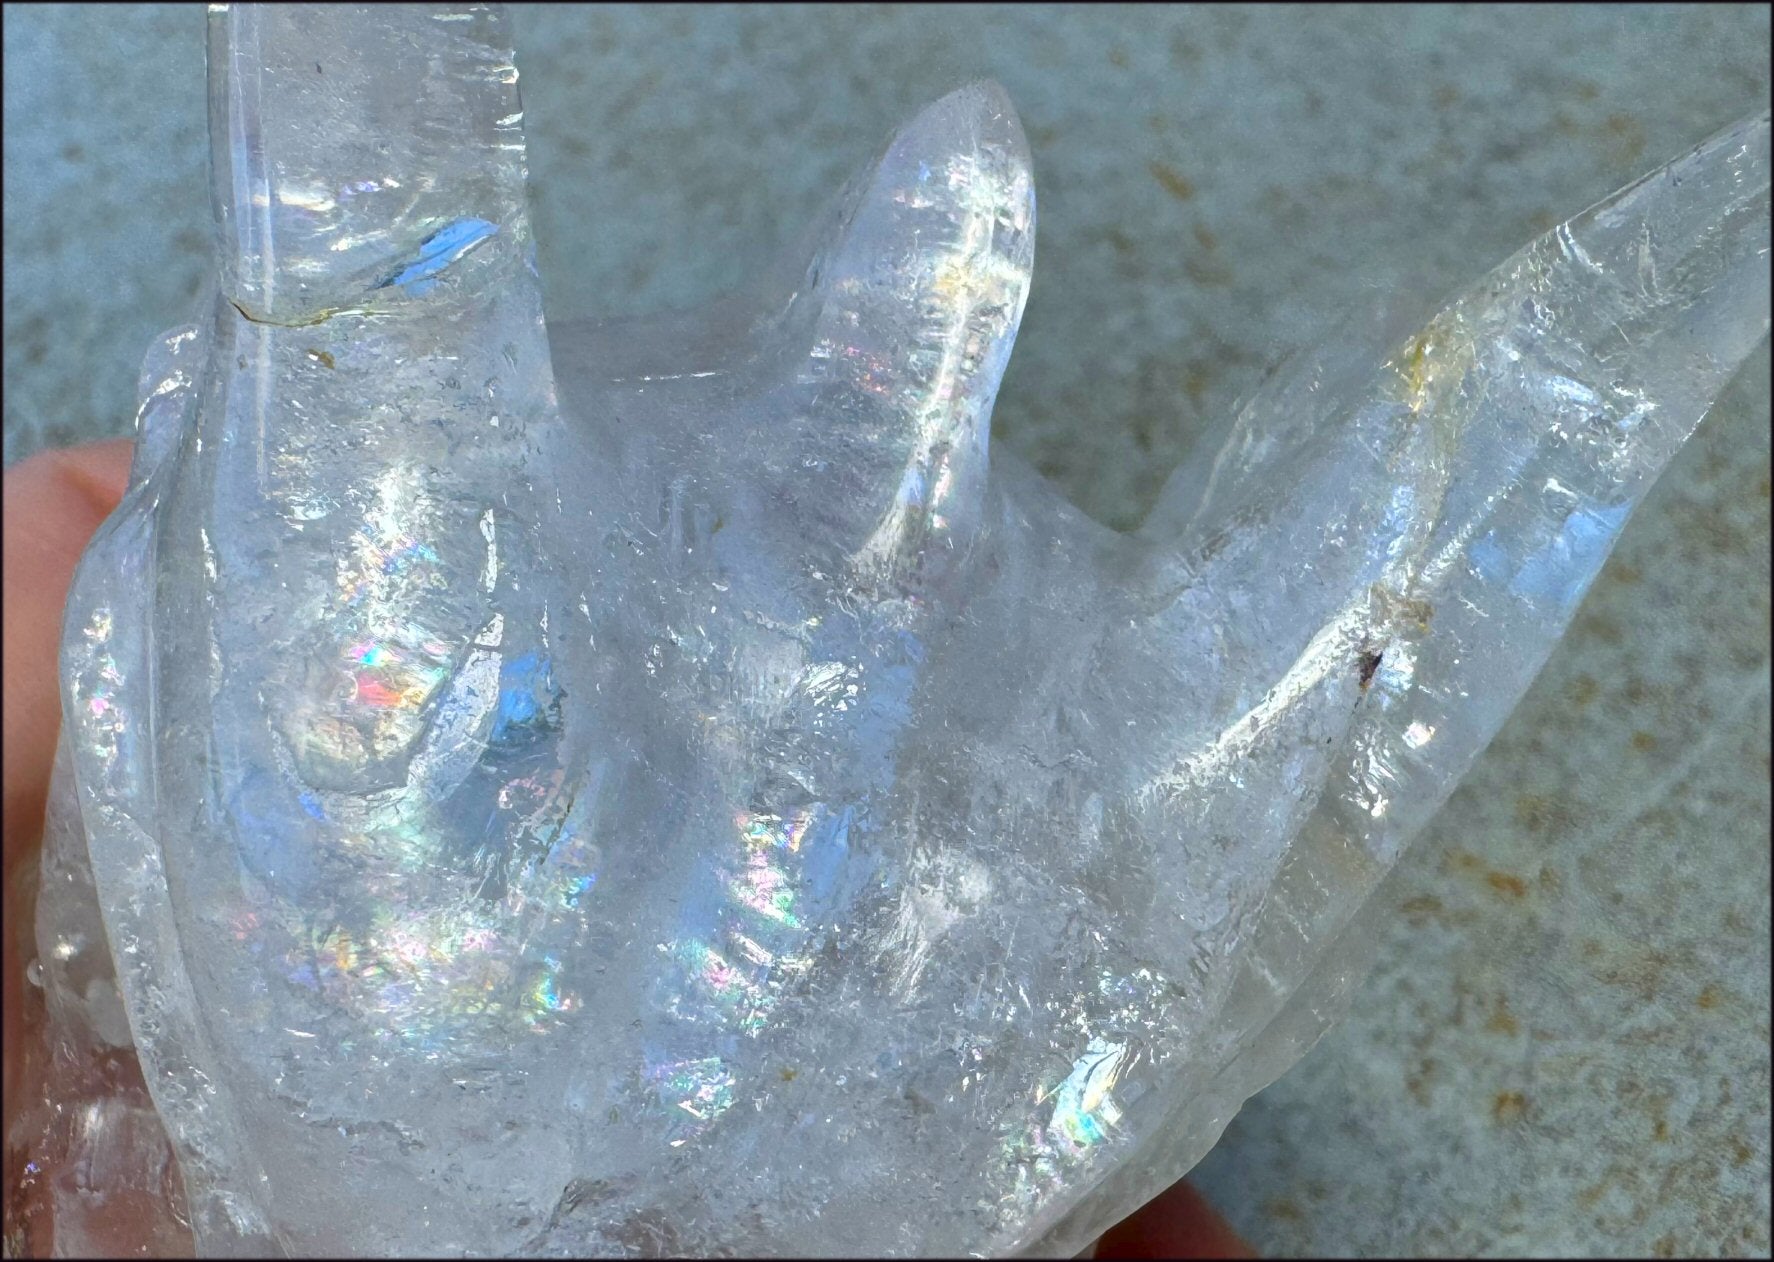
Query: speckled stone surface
[(1564, 1045)]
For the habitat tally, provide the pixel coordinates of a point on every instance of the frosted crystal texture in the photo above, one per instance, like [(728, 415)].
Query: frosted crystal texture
[(661, 788)]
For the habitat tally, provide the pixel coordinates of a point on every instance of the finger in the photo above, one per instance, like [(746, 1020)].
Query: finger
[(53, 502), (1178, 1224)]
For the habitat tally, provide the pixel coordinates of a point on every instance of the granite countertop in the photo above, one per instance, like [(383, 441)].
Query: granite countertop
[(1563, 1048)]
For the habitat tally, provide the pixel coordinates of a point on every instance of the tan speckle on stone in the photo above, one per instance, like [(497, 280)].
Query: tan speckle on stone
[(1502, 1021), (1506, 884), (1173, 180), (1282, 1208), (1509, 1106), (1419, 909), (1417, 1082)]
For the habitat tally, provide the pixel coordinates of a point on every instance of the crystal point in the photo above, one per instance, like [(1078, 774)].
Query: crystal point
[(701, 804)]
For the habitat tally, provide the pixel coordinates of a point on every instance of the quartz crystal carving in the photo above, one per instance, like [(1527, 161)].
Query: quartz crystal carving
[(675, 787)]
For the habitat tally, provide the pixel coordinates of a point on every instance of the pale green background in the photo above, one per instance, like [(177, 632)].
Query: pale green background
[(1564, 1048)]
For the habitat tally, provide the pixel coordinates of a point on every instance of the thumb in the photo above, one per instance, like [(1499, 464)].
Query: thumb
[(53, 503)]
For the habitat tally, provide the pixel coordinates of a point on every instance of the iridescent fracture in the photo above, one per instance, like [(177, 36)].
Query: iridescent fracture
[(716, 803)]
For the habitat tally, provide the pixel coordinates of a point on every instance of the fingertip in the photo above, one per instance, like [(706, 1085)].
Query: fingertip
[(97, 472), (1179, 1223)]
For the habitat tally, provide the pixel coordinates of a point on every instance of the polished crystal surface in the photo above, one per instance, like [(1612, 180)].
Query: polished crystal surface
[(674, 788)]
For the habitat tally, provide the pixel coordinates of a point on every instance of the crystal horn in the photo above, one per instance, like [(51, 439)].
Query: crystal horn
[(1562, 384), (908, 308), (1566, 381), (346, 144), (380, 389), (1546, 399)]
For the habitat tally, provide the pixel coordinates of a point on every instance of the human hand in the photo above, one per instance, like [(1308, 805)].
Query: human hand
[(53, 504), (101, 1141)]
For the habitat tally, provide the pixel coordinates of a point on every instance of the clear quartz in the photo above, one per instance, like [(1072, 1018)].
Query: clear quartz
[(661, 789)]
